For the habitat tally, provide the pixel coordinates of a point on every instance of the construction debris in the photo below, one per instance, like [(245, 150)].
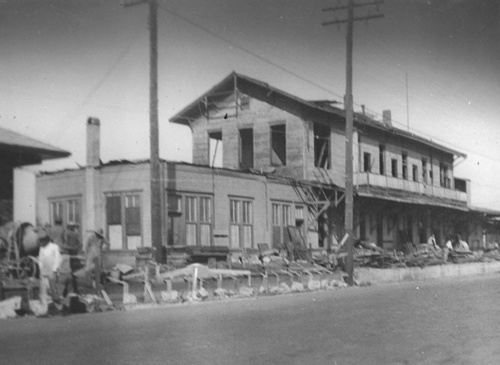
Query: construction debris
[(9, 307)]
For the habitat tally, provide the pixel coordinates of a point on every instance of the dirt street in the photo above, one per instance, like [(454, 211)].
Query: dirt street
[(439, 322)]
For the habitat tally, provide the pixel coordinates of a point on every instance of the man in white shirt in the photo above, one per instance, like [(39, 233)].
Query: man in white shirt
[(49, 261)]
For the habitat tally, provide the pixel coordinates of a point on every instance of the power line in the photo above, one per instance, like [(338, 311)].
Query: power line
[(251, 53), (284, 69)]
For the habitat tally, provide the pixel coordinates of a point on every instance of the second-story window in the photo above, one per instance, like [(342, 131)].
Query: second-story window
[(444, 179), (424, 170), (394, 167), (367, 163), (321, 146), (415, 172), (215, 149), (405, 165), (278, 145), (431, 173), (381, 158), (246, 148)]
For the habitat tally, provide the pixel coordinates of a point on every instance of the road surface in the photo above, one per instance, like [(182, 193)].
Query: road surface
[(440, 322)]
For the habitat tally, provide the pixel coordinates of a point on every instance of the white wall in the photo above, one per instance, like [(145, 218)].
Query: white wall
[(24, 196)]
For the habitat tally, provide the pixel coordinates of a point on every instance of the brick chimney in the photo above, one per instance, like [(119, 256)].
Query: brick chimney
[(92, 176), (387, 118), (93, 142)]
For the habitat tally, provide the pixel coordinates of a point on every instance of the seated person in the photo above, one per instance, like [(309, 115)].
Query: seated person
[(460, 245)]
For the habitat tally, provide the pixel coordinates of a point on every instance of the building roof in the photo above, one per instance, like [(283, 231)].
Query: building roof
[(24, 150), (263, 91), (485, 211)]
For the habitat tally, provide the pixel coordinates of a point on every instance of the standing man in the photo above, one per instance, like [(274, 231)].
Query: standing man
[(93, 247), (57, 234), (49, 261)]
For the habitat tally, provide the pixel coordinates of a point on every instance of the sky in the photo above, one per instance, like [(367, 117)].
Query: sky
[(62, 61)]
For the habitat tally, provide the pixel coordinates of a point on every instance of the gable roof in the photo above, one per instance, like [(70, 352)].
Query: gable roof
[(264, 92), (27, 150)]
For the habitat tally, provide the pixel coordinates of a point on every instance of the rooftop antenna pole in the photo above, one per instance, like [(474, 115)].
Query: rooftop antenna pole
[(349, 131), (156, 188)]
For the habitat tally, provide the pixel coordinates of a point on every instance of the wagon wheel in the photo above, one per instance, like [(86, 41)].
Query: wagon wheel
[(25, 268)]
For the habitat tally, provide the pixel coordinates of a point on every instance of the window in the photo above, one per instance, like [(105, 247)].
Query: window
[(381, 158), (367, 162), (415, 172), (321, 146), (299, 213), (241, 223), (394, 167), (189, 223), (174, 203), (56, 211), (215, 149), (132, 215), (424, 170), (444, 178), (67, 210), (123, 220), (246, 149), (114, 209), (191, 220), (205, 224), (73, 212), (278, 145), (282, 218), (405, 165)]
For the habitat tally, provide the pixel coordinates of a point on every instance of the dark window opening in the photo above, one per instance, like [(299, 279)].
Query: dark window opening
[(444, 178), (394, 167), (367, 163), (278, 145), (431, 173), (415, 172), (461, 185), (132, 215), (321, 146), (405, 166), (381, 157), (424, 170), (114, 209), (215, 149), (246, 149)]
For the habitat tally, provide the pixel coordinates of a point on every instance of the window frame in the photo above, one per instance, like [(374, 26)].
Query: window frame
[(404, 165), (367, 162), (129, 200), (241, 215), (381, 157), (281, 157)]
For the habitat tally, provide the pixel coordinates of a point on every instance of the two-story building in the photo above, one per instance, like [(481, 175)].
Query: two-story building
[(265, 161)]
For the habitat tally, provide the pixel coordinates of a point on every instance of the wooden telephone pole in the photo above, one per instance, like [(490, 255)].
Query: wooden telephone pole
[(349, 113), (156, 188)]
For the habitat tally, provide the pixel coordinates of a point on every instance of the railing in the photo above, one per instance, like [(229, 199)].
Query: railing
[(369, 179)]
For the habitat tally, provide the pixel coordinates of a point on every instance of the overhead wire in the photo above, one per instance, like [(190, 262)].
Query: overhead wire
[(247, 51), (286, 70)]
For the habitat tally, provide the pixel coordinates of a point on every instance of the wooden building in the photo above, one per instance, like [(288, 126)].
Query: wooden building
[(265, 160)]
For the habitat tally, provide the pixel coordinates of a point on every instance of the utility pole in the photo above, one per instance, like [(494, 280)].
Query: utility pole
[(156, 189), (349, 113), (407, 105)]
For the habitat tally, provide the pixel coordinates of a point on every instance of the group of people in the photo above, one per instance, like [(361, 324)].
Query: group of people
[(453, 243), (59, 262)]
